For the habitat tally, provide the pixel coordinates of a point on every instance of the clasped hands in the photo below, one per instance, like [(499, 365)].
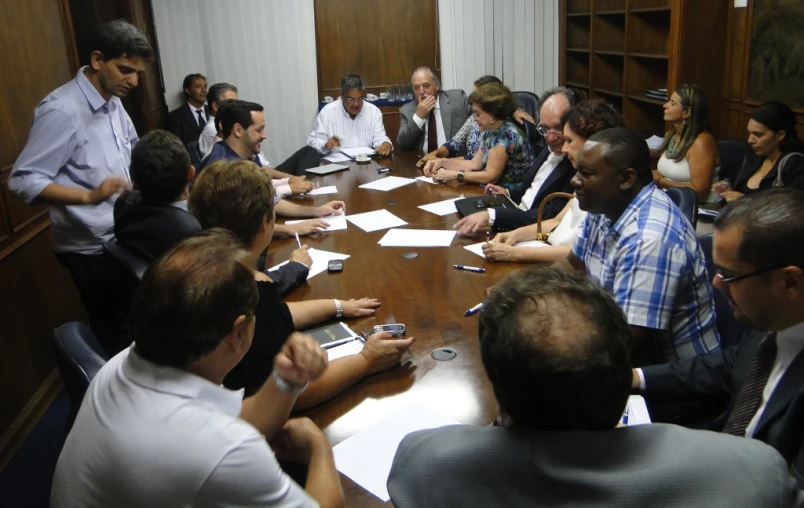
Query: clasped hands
[(434, 169)]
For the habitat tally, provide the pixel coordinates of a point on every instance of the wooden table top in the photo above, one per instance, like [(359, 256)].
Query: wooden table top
[(426, 294)]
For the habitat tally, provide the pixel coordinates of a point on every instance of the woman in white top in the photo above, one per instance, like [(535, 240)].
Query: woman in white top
[(580, 122), (689, 153)]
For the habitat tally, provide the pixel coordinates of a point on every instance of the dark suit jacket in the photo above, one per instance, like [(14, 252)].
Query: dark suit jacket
[(183, 123), (793, 174), (719, 377), (558, 181), (454, 112), (647, 465)]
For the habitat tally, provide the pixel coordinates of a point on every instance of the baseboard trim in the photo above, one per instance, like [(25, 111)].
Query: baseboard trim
[(15, 435)]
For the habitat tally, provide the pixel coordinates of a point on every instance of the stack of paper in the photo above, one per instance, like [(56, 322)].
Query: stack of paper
[(477, 248), (354, 152), (374, 221), (428, 179), (441, 208), (417, 238), (388, 183), (323, 190), (337, 157), (321, 259), (636, 412), (336, 222)]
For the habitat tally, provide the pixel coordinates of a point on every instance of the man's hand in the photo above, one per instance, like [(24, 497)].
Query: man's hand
[(425, 106), (430, 156), (301, 359), (730, 196), (496, 189), (308, 227), (384, 149), (300, 185), (359, 308), (108, 187), (297, 439), (331, 208), (510, 238), (302, 256), (332, 143), (521, 116), (500, 252), (636, 383), (383, 352), (470, 224), (432, 166)]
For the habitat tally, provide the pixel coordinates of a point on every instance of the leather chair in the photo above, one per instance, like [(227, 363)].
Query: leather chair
[(134, 264), (734, 154), (728, 327), (536, 139), (686, 200), (79, 357), (528, 102)]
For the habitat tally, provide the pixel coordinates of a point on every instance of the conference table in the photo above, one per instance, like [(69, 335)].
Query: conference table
[(425, 293)]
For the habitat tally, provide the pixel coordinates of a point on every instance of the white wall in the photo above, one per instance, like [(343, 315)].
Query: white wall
[(515, 40), (265, 48)]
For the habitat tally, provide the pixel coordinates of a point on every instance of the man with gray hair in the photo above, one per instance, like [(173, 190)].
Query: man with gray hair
[(349, 122), (433, 117)]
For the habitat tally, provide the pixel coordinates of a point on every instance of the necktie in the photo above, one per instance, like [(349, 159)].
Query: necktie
[(750, 396), (201, 121), (432, 134)]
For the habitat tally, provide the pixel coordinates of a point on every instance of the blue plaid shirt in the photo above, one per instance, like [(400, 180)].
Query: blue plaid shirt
[(652, 264)]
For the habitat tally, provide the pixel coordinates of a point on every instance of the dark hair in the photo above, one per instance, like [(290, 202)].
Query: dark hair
[(591, 116), (235, 111), (482, 80), (772, 227), (215, 91), (573, 95), (625, 149), (495, 99), (352, 82), (236, 195), (188, 82), (556, 349), (121, 39), (693, 98), (777, 116), (159, 164), (189, 299)]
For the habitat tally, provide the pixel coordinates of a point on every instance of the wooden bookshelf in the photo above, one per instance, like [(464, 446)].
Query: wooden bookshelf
[(616, 49)]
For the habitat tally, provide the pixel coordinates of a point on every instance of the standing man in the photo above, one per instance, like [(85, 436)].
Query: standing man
[(77, 158), (188, 120), (433, 117), (219, 92), (349, 122)]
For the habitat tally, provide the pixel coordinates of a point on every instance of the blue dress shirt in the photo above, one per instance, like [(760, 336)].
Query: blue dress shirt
[(77, 140)]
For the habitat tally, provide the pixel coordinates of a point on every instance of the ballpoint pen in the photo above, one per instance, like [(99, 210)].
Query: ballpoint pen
[(298, 242), (474, 310), (488, 236), (384, 170), (469, 268), (625, 416)]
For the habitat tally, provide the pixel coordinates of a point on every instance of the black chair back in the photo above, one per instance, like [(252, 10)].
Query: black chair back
[(728, 327), (134, 264), (195, 153), (79, 357), (536, 139), (734, 154), (686, 200), (529, 103)]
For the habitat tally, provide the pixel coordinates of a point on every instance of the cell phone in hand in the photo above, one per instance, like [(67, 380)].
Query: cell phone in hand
[(397, 329), (335, 265)]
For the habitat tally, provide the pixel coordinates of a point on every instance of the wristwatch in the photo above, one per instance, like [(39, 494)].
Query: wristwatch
[(338, 308), (287, 386), (460, 176)]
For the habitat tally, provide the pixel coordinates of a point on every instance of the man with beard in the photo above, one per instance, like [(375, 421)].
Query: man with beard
[(759, 254)]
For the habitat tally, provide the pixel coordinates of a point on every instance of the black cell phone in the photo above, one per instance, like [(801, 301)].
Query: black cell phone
[(480, 203), (336, 265)]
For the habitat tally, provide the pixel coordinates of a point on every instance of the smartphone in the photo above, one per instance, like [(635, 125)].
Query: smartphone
[(335, 265), (393, 329)]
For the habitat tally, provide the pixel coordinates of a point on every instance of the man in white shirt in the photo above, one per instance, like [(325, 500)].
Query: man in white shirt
[(433, 117), (219, 92), (349, 122), (759, 256), (156, 427), (188, 120)]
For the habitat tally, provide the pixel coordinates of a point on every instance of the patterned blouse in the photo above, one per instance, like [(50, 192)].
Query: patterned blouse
[(517, 146), (466, 141)]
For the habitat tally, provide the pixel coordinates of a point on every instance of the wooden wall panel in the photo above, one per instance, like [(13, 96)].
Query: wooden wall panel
[(381, 40)]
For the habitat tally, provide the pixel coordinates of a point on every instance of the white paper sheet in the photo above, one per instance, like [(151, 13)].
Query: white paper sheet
[(388, 183), (336, 222), (428, 179), (337, 157), (323, 190), (366, 457), (320, 260), (637, 411), (654, 142), (344, 350), (417, 238), (354, 152), (374, 221), (477, 248), (441, 208)]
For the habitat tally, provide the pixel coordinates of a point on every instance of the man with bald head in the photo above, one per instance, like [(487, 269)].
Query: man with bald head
[(433, 116), (638, 245), (551, 172)]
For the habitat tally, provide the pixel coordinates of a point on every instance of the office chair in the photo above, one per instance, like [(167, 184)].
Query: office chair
[(728, 327), (686, 200), (134, 264), (528, 102), (536, 139), (79, 357), (734, 154)]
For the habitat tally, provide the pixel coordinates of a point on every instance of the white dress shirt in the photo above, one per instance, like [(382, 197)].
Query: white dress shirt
[(366, 129), (544, 172), (422, 123), (159, 436), (208, 137)]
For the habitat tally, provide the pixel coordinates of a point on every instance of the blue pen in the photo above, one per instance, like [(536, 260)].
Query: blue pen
[(469, 268), (625, 416), (474, 310)]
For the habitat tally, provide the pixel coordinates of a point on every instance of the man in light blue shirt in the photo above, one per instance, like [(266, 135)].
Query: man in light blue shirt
[(77, 159)]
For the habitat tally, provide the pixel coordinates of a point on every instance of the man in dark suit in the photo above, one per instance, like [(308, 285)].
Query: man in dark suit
[(188, 120), (551, 172), (433, 117), (759, 383), (555, 348)]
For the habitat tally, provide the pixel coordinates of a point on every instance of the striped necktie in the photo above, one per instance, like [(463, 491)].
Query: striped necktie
[(750, 397)]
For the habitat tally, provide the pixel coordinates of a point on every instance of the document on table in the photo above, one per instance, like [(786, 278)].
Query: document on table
[(388, 183), (366, 457), (337, 157), (477, 248), (331, 189), (354, 152), (417, 238), (336, 222), (654, 142), (321, 259), (374, 221), (348, 349), (441, 208), (428, 179), (636, 412)]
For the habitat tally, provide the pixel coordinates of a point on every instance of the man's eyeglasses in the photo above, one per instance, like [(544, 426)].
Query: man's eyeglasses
[(544, 131), (737, 278), (353, 99)]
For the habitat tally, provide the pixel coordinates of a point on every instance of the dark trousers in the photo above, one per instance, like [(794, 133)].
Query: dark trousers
[(305, 158), (94, 277)]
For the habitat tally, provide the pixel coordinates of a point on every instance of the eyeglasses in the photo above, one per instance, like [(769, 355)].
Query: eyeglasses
[(737, 278), (544, 131), (354, 99)]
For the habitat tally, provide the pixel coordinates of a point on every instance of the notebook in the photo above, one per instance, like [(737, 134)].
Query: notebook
[(325, 170), (468, 206)]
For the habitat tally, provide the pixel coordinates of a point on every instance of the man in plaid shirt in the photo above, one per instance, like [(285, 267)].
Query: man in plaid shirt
[(639, 246)]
